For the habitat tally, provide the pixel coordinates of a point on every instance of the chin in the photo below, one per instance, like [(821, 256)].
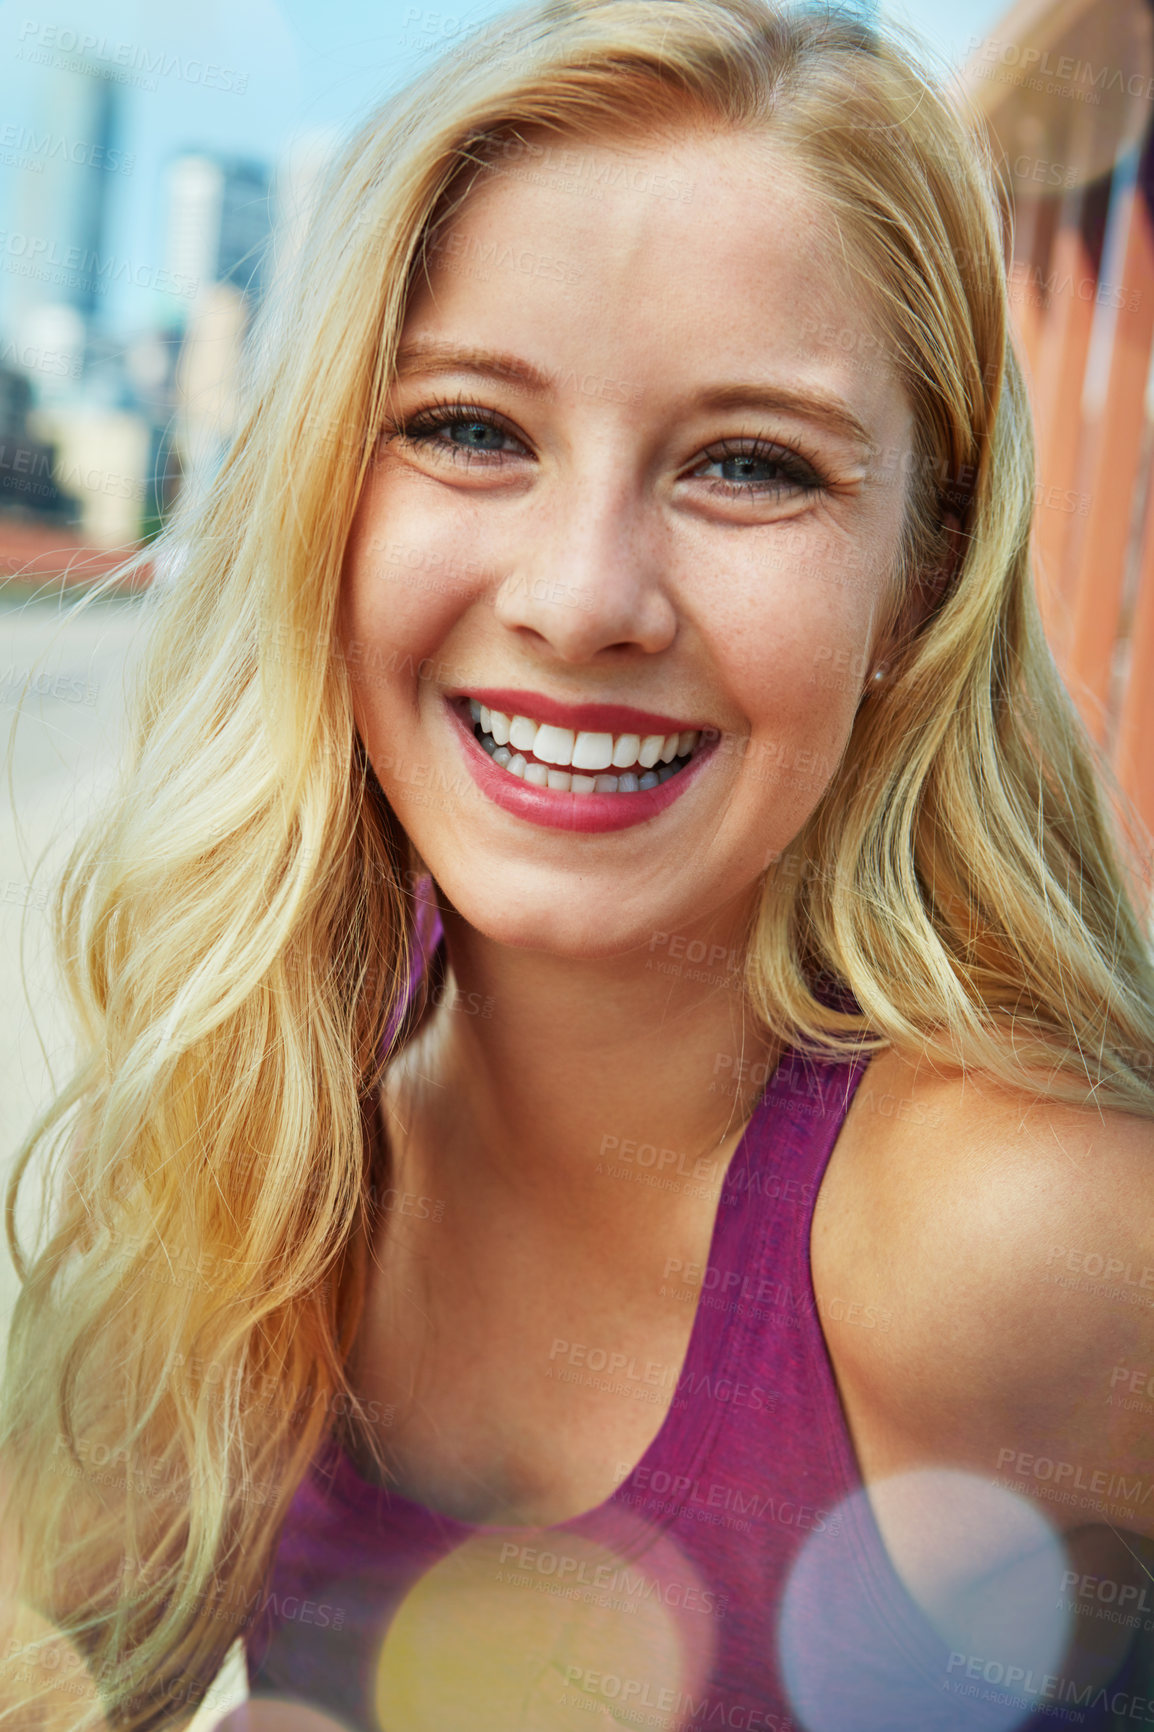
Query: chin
[(580, 931)]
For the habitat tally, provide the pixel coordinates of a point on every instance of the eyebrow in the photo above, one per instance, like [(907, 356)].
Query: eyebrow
[(431, 357)]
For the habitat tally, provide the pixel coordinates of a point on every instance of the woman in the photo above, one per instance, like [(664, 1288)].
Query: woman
[(617, 1022)]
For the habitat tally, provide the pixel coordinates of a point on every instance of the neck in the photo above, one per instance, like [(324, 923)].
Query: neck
[(547, 1075)]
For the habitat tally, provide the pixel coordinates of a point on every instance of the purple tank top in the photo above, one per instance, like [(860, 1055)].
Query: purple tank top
[(736, 1578)]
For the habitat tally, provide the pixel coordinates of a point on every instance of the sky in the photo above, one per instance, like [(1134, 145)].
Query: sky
[(245, 77)]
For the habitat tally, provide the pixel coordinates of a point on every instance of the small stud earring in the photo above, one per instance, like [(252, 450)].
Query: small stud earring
[(879, 673)]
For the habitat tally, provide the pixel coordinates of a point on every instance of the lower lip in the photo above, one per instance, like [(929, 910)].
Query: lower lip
[(556, 810)]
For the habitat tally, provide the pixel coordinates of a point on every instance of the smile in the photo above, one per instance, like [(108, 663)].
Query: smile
[(579, 761), (578, 778)]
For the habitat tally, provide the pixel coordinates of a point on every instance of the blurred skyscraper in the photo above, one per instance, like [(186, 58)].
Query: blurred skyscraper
[(218, 220), (77, 450), (73, 155)]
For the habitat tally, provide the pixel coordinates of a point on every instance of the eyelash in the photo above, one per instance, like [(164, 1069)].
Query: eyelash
[(799, 470)]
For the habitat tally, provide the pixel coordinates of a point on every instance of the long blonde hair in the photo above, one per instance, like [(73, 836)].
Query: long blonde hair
[(235, 930)]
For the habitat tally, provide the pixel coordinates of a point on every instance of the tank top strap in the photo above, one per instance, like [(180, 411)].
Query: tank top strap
[(773, 1188), (853, 1647), (734, 1399), (793, 1131)]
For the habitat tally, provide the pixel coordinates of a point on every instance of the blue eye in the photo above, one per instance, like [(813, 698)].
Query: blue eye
[(751, 468), (475, 435), (747, 464), (469, 430)]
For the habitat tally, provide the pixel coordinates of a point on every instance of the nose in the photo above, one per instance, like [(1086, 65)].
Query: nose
[(590, 575)]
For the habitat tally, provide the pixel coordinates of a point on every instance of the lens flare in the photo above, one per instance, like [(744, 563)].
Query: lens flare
[(537, 1631), (959, 1629)]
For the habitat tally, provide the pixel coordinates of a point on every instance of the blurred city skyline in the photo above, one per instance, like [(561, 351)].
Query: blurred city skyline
[(151, 160), (251, 81)]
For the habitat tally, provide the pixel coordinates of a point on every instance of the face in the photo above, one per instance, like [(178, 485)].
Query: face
[(632, 485)]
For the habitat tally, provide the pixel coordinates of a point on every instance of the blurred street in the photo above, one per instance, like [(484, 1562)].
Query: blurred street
[(63, 752), (61, 759)]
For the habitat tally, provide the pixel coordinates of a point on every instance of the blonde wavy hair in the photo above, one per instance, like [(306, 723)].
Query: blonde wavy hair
[(235, 929)]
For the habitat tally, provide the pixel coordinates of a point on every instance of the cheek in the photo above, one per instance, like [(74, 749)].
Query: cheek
[(835, 673), (393, 561), (799, 682), (400, 602), (807, 664)]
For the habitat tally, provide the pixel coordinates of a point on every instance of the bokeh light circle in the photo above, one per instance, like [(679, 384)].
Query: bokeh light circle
[(960, 1629), (541, 1630)]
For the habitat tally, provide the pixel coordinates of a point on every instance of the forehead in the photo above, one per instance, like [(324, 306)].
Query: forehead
[(685, 259)]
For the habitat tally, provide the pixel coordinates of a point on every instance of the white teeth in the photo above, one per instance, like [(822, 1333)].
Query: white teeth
[(593, 751), (522, 733), (554, 745), (563, 782), (508, 738)]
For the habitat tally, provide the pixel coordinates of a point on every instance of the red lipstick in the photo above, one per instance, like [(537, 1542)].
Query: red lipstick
[(555, 809), (590, 718)]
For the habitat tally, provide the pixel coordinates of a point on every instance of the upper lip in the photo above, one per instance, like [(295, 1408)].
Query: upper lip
[(588, 718)]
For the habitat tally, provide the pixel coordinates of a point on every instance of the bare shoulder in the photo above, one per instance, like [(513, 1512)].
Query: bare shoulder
[(1003, 1167), (1006, 1247)]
